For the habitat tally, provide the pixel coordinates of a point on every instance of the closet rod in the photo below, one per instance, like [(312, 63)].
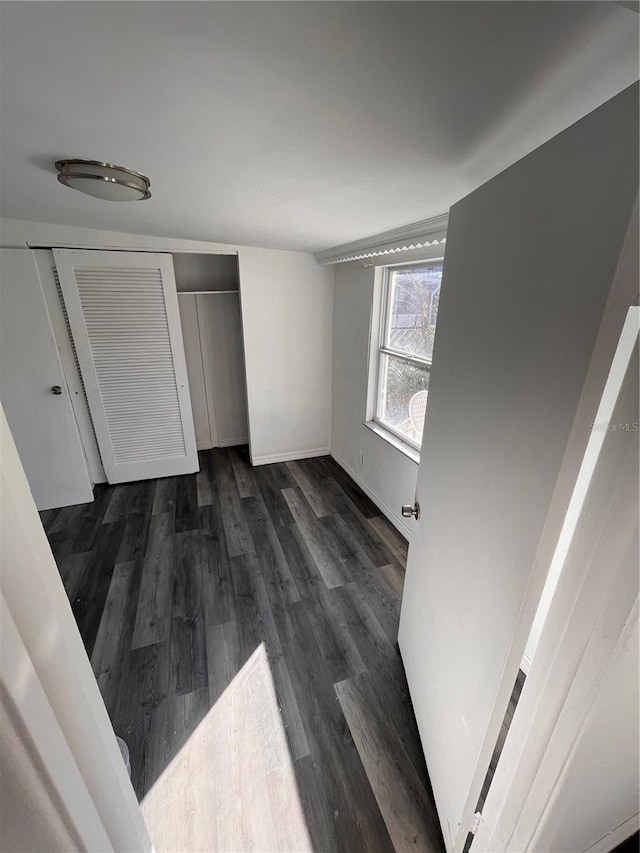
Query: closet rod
[(200, 292)]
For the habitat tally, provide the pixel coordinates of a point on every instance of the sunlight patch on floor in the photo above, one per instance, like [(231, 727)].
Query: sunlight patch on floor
[(232, 786)]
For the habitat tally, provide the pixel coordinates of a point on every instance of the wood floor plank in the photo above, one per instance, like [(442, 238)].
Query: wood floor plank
[(187, 517), (215, 563), (143, 688), (394, 575), (72, 570), (253, 609), (236, 528), (63, 529), (276, 572), (188, 646), (383, 661), (347, 795), (298, 743), (376, 549), (135, 537), (316, 499), (91, 594), (303, 567), (364, 504), (243, 472), (406, 807), (328, 561), (282, 476), (165, 496), (168, 805), (178, 807), (382, 597), (118, 501), (272, 495), (204, 480), (346, 546), (137, 515), (396, 543), (113, 641), (47, 517), (223, 657), (87, 529), (66, 519), (153, 617)]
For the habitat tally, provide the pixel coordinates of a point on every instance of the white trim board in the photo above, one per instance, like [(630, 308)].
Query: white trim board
[(395, 519), (289, 457), (428, 232)]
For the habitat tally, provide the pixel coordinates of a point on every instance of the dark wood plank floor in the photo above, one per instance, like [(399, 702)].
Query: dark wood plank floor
[(179, 585)]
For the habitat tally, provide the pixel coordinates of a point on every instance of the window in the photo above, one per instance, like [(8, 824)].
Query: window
[(409, 310)]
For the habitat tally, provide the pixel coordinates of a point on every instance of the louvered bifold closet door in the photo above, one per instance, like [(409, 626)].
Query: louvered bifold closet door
[(123, 314)]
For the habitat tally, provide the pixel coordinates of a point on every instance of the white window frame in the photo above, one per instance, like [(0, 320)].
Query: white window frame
[(379, 349)]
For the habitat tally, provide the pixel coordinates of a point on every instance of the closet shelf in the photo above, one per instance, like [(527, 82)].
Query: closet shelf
[(201, 292)]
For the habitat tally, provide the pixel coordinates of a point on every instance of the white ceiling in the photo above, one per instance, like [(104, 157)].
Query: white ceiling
[(295, 125)]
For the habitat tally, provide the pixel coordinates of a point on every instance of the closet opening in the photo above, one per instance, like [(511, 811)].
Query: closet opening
[(208, 289)]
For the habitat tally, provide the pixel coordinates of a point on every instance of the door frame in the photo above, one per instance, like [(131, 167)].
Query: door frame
[(591, 618), (623, 294)]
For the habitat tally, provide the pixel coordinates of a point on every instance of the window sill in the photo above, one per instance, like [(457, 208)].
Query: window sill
[(394, 441)]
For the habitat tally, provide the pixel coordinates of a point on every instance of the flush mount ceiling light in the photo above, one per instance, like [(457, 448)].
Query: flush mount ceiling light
[(103, 180)]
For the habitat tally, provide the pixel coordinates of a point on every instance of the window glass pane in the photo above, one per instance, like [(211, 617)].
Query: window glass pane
[(413, 308), (403, 396)]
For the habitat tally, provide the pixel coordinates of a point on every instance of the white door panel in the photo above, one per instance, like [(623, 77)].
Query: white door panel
[(204, 426), (123, 313), (516, 331), (43, 423)]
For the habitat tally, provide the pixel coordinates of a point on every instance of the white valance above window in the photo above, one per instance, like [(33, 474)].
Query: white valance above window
[(429, 232)]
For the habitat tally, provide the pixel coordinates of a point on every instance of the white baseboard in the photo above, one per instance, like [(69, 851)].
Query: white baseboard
[(232, 442), (226, 442), (393, 517), (289, 457)]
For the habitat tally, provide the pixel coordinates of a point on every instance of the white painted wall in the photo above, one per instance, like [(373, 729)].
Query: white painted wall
[(386, 475), (287, 310), (287, 316)]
